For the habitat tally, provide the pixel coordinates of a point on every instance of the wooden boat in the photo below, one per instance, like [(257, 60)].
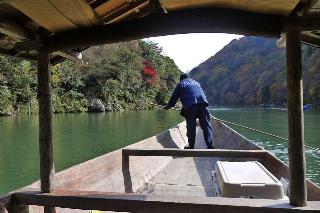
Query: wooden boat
[(158, 168), (96, 22)]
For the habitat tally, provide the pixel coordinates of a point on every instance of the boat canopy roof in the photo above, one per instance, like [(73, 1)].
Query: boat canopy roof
[(71, 26)]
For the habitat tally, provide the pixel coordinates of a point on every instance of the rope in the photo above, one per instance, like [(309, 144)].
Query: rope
[(256, 130)]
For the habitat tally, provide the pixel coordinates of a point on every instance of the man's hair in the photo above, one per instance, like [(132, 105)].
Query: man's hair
[(184, 76)]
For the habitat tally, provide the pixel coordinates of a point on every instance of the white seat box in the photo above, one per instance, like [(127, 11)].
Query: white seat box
[(247, 179)]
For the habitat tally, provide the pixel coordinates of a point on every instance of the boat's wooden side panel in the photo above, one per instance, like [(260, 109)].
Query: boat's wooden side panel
[(280, 169), (105, 173), (226, 138)]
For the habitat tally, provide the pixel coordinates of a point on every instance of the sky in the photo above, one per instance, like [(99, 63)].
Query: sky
[(189, 50)]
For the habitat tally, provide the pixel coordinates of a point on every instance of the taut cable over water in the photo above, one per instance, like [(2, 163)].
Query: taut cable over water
[(262, 132)]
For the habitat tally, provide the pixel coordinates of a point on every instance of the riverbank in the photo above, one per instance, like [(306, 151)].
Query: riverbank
[(95, 107)]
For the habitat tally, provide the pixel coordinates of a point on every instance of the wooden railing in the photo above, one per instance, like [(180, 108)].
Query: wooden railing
[(222, 153), (150, 203)]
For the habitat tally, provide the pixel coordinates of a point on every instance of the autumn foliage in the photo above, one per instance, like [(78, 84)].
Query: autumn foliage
[(150, 72), (252, 71)]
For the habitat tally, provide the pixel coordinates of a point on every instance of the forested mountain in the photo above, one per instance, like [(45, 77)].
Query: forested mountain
[(130, 75), (251, 71)]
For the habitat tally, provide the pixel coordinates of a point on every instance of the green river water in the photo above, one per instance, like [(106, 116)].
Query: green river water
[(79, 137)]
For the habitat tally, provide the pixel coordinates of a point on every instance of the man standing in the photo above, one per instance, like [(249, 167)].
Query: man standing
[(194, 105)]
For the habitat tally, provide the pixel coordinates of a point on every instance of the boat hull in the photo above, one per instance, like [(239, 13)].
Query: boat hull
[(106, 173)]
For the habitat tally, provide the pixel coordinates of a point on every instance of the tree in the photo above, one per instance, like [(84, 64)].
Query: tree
[(254, 70), (129, 75)]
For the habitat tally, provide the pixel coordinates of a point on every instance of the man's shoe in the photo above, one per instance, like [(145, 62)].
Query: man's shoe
[(188, 147), (210, 147)]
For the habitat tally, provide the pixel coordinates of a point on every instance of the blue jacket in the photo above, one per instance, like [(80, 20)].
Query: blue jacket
[(190, 92)]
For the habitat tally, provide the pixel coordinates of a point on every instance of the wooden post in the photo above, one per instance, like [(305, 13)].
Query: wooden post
[(297, 163), (45, 123), (126, 173)]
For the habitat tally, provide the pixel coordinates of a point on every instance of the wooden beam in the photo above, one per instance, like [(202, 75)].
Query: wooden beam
[(17, 32), (305, 23), (178, 22), (137, 12), (56, 60), (223, 153), (308, 40), (14, 30), (69, 55), (157, 204), (114, 15), (107, 7), (17, 54), (297, 163), (156, 7), (96, 3)]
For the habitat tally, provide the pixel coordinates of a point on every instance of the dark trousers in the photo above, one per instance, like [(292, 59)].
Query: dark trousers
[(191, 114)]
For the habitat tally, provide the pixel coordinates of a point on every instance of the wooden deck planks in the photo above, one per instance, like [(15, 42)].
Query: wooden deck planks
[(184, 177)]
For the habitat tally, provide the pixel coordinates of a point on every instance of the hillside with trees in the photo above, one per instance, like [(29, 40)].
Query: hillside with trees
[(115, 77), (251, 71)]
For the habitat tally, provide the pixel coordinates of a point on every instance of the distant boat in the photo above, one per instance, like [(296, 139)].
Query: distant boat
[(306, 107)]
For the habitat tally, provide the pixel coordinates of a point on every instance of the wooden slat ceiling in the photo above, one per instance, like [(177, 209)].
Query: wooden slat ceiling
[(277, 7), (58, 15), (20, 19), (117, 10), (110, 7)]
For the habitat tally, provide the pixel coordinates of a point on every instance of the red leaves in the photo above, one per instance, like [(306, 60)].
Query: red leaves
[(151, 72)]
